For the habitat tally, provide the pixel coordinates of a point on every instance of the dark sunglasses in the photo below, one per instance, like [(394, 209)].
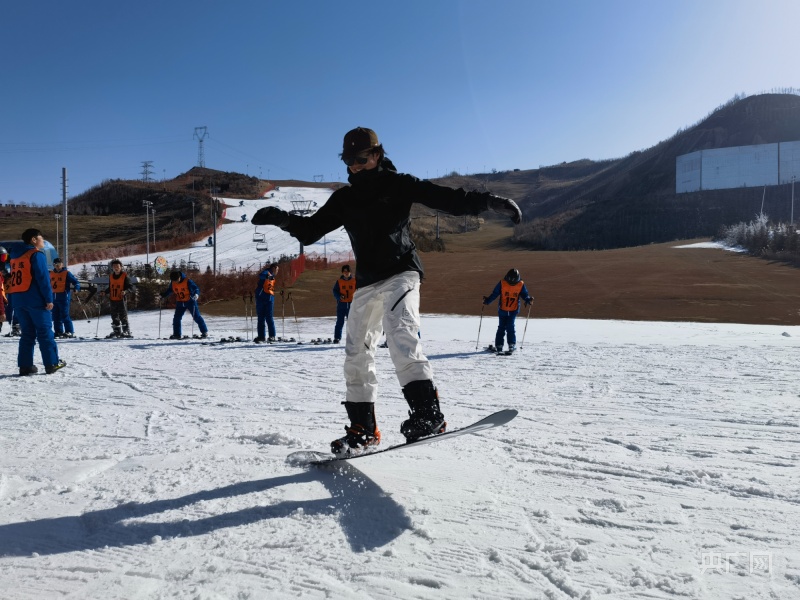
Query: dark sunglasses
[(355, 160)]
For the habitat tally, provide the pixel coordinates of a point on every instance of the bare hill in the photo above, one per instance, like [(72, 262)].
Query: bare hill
[(631, 201)]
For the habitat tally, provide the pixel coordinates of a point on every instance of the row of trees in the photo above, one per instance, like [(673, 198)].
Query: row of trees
[(759, 237)]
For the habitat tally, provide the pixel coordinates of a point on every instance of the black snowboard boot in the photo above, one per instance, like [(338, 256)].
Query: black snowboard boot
[(362, 431), (425, 418)]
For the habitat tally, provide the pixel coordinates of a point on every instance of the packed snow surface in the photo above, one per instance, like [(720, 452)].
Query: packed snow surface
[(648, 460)]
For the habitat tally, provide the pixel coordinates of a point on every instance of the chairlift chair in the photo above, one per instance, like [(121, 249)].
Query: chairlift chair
[(259, 236), (262, 246)]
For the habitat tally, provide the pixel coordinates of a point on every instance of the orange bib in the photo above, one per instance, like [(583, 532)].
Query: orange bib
[(347, 287), (181, 290), (509, 295), (58, 281), (21, 273), (116, 287)]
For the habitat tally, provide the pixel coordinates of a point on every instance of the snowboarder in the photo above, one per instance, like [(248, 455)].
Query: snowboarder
[(510, 289), (343, 290), (62, 281), (265, 304), (186, 295), (375, 211), (119, 286), (33, 303)]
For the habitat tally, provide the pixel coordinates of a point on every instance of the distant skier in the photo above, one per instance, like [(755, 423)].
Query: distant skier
[(510, 289), (33, 303), (62, 281), (119, 286), (186, 295), (375, 211), (343, 291), (265, 304)]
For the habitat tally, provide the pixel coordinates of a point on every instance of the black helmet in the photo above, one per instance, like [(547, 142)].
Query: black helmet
[(512, 277), (175, 276)]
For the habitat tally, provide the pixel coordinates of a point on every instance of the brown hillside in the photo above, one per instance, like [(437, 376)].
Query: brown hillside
[(657, 282)]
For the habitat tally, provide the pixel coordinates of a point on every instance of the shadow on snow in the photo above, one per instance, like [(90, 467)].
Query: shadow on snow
[(369, 517)]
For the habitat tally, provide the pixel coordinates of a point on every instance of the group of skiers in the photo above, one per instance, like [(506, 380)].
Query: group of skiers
[(375, 211), (37, 301)]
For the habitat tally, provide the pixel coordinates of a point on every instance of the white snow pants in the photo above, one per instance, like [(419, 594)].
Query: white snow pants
[(391, 305)]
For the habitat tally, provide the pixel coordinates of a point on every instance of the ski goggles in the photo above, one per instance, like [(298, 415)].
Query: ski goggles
[(355, 160)]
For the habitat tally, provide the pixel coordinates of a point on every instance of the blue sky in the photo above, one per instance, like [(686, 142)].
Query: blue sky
[(472, 85)]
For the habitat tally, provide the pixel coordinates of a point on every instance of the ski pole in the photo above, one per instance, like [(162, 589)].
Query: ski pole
[(246, 322), (160, 304), (524, 331), (252, 318), (283, 315), (83, 308), (479, 327), (99, 312), (296, 322)]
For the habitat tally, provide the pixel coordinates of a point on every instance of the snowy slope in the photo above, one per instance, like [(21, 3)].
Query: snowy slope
[(649, 460), (236, 245)]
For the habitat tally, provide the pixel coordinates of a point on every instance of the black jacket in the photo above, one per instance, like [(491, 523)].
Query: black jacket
[(375, 211)]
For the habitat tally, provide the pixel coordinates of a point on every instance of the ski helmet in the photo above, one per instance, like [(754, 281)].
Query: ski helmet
[(3, 254), (512, 277), (175, 276)]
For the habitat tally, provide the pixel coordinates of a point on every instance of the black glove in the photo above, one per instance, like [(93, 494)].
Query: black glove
[(271, 216), (486, 299), (528, 301), (504, 206)]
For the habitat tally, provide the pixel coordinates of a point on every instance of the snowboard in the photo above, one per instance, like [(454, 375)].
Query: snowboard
[(309, 457)]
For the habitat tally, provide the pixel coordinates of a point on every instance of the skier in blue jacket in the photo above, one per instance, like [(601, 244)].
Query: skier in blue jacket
[(186, 295), (62, 281), (510, 290), (33, 303)]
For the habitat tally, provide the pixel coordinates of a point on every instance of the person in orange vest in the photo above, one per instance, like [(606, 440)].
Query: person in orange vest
[(510, 290), (6, 309), (265, 304), (343, 291), (119, 286), (3, 300), (62, 281), (186, 295), (29, 284)]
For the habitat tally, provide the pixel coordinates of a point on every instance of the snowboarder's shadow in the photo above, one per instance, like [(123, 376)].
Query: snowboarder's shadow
[(369, 517)]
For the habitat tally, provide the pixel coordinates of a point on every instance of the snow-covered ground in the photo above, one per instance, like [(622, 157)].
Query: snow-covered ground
[(714, 245), (241, 244), (648, 460)]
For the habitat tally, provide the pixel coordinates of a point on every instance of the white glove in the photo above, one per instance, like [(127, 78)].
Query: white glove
[(195, 297)]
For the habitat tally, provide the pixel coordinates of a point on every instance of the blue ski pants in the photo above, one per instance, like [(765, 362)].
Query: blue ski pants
[(36, 324), (180, 309), (264, 314)]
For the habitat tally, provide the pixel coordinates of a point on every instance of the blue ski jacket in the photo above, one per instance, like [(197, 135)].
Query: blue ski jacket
[(40, 292)]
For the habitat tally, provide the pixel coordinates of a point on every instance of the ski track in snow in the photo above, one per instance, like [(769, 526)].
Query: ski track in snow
[(156, 469)]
